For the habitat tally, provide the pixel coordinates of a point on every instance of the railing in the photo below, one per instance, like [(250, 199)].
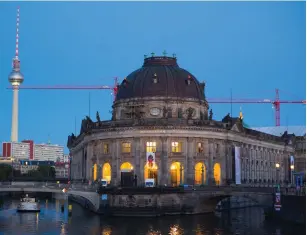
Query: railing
[(144, 190)]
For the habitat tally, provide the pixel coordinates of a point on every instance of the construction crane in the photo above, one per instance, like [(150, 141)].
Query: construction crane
[(276, 103), (113, 88)]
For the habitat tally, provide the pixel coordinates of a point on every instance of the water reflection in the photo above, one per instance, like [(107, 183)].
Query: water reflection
[(175, 230), (53, 220)]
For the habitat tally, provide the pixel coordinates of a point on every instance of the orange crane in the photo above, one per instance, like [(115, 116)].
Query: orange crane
[(276, 103)]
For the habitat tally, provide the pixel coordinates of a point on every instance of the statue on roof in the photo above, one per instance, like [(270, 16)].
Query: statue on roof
[(164, 112), (88, 119), (210, 114), (227, 118), (190, 112), (97, 117), (241, 114), (71, 139)]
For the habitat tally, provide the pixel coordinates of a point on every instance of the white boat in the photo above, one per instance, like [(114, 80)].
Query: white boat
[(28, 204)]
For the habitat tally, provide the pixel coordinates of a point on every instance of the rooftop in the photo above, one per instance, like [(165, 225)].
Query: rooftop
[(280, 130)]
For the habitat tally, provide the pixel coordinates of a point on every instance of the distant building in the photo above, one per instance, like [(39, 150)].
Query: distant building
[(18, 150), (61, 169), (298, 139), (26, 166), (64, 158), (48, 152), (300, 154), (8, 161), (27, 150)]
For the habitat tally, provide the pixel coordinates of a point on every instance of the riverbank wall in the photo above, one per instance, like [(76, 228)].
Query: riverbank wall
[(293, 209), (169, 203)]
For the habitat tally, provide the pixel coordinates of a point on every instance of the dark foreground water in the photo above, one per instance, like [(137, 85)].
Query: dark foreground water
[(52, 221)]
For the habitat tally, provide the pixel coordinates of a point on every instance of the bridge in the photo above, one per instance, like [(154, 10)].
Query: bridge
[(83, 191), (163, 200)]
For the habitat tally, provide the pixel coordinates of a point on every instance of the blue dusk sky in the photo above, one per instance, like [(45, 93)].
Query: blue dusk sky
[(249, 47)]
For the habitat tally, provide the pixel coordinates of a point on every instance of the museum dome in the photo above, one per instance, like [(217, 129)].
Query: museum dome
[(160, 76)]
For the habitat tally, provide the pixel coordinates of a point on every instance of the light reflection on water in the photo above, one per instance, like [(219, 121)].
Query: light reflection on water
[(52, 221)]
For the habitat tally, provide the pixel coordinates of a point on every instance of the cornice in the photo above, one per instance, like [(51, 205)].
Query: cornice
[(211, 133)]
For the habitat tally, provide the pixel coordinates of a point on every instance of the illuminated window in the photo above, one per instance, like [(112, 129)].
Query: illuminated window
[(176, 147), (199, 148), (151, 147), (105, 148), (126, 147)]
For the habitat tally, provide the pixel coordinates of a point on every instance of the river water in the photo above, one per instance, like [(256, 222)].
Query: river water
[(52, 221)]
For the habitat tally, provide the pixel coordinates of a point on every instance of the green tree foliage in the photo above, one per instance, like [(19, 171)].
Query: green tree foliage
[(47, 171), (5, 171), (35, 174)]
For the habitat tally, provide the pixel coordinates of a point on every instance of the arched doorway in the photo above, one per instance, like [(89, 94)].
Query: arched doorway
[(126, 173), (176, 173), (200, 172), (217, 173), (106, 172), (151, 172), (95, 169)]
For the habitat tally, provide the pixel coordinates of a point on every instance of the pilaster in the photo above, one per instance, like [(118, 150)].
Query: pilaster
[(164, 160), (115, 179), (137, 161), (210, 163), (189, 173)]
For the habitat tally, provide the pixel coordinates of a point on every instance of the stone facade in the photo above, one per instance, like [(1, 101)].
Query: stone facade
[(300, 154), (258, 158), (190, 147)]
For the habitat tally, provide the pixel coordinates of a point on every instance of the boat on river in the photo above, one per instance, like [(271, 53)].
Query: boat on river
[(28, 204)]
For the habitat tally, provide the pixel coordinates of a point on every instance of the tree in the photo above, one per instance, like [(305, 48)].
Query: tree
[(35, 174), (47, 171), (5, 171)]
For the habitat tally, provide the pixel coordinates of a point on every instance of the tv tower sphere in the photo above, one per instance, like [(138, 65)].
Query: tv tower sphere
[(16, 77)]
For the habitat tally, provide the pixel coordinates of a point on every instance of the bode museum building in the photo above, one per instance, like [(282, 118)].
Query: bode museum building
[(162, 129)]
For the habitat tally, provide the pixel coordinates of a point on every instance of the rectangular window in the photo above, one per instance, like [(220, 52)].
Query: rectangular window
[(126, 147), (169, 113), (180, 113), (105, 148), (151, 147), (199, 148), (176, 147), (217, 148)]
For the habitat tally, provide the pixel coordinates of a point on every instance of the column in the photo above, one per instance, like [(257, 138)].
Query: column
[(223, 154), (89, 162), (114, 163), (164, 162), (137, 158), (210, 163), (84, 162), (230, 162), (189, 168)]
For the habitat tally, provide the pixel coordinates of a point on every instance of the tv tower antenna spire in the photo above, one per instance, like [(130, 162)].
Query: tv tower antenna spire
[(15, 78)]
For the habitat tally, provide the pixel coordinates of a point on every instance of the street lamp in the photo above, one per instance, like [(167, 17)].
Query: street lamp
[(100, 172), (181, 170), (202, 174), (277, 165), (291, 173)]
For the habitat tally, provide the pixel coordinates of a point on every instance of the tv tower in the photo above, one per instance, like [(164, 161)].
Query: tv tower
[(15, 78)]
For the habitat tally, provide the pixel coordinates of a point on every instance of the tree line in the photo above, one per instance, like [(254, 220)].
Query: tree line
[(7, 172)]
